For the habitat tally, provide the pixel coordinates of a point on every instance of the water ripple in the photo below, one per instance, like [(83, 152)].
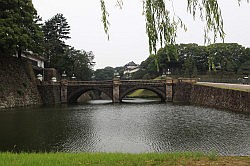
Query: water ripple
[(129, 128)]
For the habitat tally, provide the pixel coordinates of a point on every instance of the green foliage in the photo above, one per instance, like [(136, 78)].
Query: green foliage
[(189, 66), (162, 22), (225, 56), (143, 93), (108, 73), (244, 68), (139, 74), (104, 74), (213, 156), (168, 58), (197, 53), (19, 28), (190, 60), (148, 69), (105, 16), (79, 63), (159, 25), (61, 56), (55, 30)]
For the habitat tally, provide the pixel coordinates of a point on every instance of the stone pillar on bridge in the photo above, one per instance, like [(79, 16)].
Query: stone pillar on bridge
[(64, 91), (169, 89), (116, 90)]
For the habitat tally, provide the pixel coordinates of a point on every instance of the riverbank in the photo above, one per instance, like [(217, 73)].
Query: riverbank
[(108, 159), (238, 87)]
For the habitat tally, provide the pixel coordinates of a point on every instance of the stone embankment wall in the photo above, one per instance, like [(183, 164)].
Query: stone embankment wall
[(17, 83), (212, 97), (182, 92), (50, 94), (220, 98)]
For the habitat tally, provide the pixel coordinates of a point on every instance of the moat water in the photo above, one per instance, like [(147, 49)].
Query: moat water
[(138, 127)]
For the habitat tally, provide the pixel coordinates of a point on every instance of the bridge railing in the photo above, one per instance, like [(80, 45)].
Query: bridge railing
[(89, 82), (145, 81), (110, 82), (188, 80), (44, 83)]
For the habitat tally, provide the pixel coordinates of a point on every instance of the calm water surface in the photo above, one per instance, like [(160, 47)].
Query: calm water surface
[(129, 127)]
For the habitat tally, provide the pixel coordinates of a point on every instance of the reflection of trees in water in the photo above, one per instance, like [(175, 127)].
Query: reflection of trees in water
[(43, 130)]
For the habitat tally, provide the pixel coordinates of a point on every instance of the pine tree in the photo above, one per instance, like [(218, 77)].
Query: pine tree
[(55, 30)]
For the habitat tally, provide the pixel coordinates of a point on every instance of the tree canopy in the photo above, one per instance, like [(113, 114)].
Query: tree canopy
[(19, 28), (61, 56), (56, 30), (162, 23), (21, 31), (190, 60)]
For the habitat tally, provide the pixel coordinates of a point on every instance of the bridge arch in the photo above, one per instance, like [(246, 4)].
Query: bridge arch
[(160, 94), (73, 96)]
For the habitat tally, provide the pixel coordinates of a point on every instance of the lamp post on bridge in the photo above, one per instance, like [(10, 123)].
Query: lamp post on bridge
[(116, 87), (169, 86), (166, 75), (73, 77), (116, 76), (64, 88), (163, 74), (93, 77), (64, 75), (39, 77)]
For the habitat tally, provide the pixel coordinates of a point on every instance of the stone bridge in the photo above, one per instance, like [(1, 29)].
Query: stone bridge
[(115, 89), (65, 91)]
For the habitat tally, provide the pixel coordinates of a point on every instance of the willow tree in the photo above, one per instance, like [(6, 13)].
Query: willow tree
[(162, 23)]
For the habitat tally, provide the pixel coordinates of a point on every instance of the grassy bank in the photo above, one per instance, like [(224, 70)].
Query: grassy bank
[(37, 159), (238, 87), (142, 93)]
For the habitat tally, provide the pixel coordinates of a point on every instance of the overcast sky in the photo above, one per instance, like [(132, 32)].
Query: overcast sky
[(128, 40)]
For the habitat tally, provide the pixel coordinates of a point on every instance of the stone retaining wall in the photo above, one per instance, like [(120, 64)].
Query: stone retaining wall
[(50, 94), (17, 85), (182, 92), (213, 97), (220, 98)]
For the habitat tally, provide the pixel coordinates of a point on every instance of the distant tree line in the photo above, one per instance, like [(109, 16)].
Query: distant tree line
[(108, 73), (190, 60), (22, 30)]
